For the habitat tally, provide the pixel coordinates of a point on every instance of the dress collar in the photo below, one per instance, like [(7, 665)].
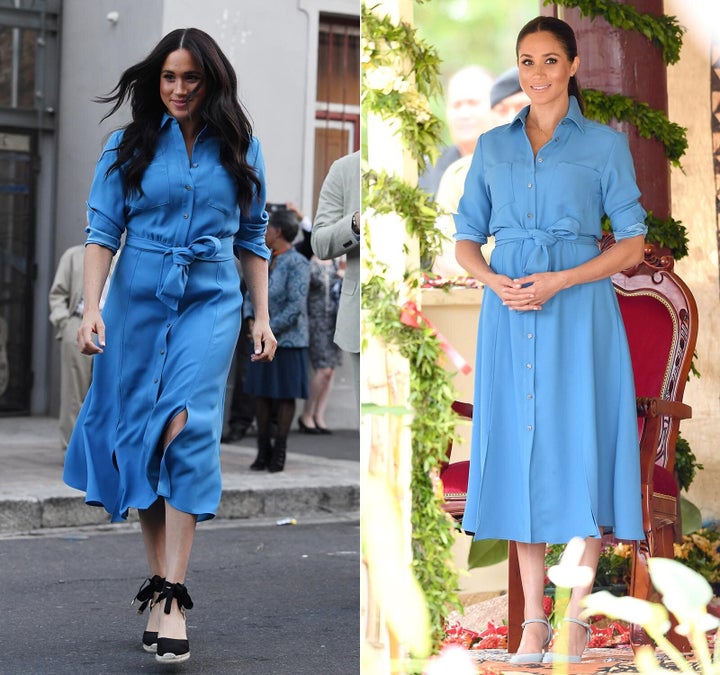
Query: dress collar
[(169, 119), (574, 114)]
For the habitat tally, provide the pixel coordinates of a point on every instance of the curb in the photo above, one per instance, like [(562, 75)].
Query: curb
[(28, 514)]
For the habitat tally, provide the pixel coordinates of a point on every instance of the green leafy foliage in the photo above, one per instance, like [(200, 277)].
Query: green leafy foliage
[(431, 396), (487, 552), (668, 233), (663, 31), (614, 564), (400, 73), (686, 463), (389, 194), (650, 123)]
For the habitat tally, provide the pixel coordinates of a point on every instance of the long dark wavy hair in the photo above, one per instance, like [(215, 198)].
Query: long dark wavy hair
[(565, 35), (221, 111)]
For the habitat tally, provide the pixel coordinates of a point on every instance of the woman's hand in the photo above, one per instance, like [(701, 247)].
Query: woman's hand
[(92, 324), (264, 342), (533, 291)]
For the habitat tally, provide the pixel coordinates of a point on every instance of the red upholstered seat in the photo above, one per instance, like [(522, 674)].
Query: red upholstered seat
[(455, 479)]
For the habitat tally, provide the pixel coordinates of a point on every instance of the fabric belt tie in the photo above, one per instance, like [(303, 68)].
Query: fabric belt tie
[(564, 230), (177, 259)]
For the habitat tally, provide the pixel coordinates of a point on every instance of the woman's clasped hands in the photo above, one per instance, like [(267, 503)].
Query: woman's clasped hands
[(528, 293)]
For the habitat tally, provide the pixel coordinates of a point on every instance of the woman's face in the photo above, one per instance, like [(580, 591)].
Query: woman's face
[(272, 236), (180, 76), (544, 67)]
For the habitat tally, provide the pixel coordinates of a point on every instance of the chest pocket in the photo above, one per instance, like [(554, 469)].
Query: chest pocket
[(155, 185), (580, 181), (223, 191), (499, 181)]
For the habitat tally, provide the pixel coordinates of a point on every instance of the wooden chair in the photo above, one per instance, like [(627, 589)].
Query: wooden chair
[(661, 321)]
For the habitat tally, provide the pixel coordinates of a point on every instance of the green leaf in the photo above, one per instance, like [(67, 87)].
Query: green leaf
[(684, 591), (487, 552), (649, 615), (691, 516)]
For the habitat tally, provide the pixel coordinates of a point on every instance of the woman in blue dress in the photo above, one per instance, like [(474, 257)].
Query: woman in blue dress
[(184, 183), (554, 443)]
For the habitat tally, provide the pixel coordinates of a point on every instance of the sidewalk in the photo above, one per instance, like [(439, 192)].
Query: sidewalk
[(322, 474)]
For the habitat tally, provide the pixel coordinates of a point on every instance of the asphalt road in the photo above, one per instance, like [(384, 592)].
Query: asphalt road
[(269, 600)]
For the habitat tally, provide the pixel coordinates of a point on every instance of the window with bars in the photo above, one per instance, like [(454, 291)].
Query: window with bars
[(337, 107)]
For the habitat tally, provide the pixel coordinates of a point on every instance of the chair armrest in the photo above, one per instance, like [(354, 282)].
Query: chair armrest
[(650, 406)]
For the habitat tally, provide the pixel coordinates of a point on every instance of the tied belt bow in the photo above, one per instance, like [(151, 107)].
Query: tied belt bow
[(177, 259), (538, 259)]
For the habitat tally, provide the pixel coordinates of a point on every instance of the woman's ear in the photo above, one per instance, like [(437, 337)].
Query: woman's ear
[(574, 66)]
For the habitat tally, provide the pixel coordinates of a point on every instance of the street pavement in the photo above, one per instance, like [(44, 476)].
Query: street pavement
[(268, 599), (321, 476)]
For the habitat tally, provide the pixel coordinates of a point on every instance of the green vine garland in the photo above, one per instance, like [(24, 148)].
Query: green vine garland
[(650, 123), (389, 194), (663, 31), (400, 74), (431, 397)]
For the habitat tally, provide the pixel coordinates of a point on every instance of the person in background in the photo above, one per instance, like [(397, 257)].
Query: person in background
[(66, 308), (507, 100), (336, 232), (323, 301), (277, 384), (303, 245), (548, 463), (184, 180), (467, 112)]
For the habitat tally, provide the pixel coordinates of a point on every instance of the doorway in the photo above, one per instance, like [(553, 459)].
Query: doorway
[(17, 271)]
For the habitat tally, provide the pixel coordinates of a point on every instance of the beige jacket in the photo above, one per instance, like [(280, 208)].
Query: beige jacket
[(332, 236)]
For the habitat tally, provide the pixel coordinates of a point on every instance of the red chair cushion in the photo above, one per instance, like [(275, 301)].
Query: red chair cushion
[(649, 328), (455, 479), (664, 482)]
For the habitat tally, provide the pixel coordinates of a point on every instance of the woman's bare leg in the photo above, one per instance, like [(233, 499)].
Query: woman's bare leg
[(152, 524), (323, 386), (577, 635), (179, 536), (531, 559)]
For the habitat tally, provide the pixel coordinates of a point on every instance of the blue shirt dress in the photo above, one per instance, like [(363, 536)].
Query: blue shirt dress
[(555, 438), (172, 319)]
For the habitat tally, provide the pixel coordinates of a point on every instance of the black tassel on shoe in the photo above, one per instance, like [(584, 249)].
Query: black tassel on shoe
[(173, 650), (145, 595)]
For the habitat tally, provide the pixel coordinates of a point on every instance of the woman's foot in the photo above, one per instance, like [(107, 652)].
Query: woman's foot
[(320, 426), (148, 595), (172, 644), (307, 427), (578, 636), (536, 636)]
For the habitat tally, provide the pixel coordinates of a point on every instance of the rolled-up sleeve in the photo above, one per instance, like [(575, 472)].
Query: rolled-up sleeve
[(106, 203), (473, 214), (621, 194), (251, 233)]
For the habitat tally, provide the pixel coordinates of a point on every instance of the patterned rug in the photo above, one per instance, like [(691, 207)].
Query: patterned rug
[(495, 661)]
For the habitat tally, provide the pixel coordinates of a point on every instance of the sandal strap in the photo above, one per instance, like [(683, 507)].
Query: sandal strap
[(579, 622), (146, 591), (547, 625), (178, 592)]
